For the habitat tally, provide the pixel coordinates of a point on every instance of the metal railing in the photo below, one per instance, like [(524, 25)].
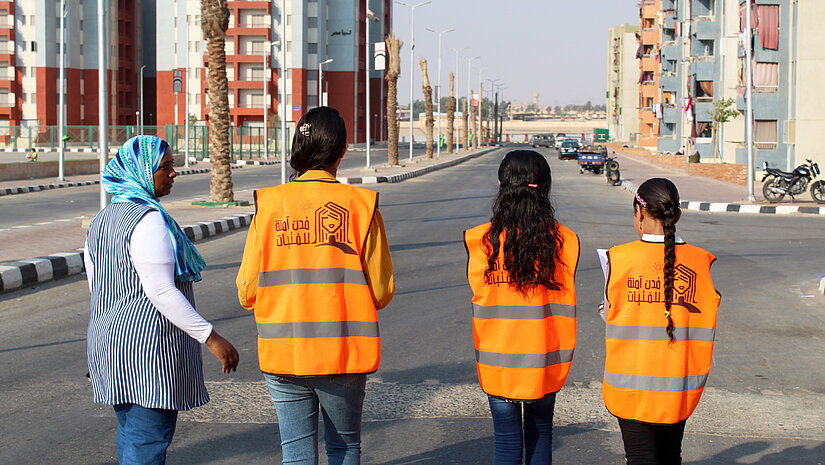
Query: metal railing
[(244, 142)]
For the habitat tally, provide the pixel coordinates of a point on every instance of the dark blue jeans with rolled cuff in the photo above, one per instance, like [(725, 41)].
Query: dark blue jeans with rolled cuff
[(520, 442)]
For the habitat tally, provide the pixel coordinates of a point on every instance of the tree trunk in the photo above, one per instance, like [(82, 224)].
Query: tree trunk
[(451, 115), (471, 125), (215, 21), (477, 121), (428, 106), (393, 70)]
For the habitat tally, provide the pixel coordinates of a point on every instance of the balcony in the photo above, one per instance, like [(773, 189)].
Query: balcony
[(671, 115), (650, 36), (670, 83), (670, 22), (649, 10), (765, 105), (650, 64), (7, 100), (704, 112), (672, 52), (706, 28), (704, 70), (649, 91)]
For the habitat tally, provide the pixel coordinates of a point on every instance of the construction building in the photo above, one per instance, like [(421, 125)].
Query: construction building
[(623, 82)]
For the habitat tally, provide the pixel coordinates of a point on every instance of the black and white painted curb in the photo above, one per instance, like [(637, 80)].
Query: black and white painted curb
[(60, 185), (414, 173), (721, 207), (20, 273)]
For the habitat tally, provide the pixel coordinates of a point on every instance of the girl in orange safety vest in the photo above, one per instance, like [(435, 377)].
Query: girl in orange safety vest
[(660, 309), (521, 268)]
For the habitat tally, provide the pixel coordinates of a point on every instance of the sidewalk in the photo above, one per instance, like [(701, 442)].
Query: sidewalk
[(57, 246), (704, 194)]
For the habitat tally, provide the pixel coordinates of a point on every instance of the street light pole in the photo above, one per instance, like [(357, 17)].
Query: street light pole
[(282, 88), (102, 106), (267, 72), (456, 139), (469, 101), (321, 81), (140, 93), (748, 98), (412, 63), (438, 150), (367, 58), (62, 90), (186, 102)]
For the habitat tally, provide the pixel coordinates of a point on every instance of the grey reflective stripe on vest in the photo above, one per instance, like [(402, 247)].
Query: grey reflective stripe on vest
[(655, 383), (524, 360), (520, 312), (311, 276), (310, 329), (658, 333)]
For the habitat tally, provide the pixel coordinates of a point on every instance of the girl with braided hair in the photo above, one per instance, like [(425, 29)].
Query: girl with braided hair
[(660, 309)]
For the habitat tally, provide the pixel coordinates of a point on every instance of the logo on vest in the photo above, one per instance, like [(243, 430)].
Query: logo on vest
[(652, 290), (332, 227)]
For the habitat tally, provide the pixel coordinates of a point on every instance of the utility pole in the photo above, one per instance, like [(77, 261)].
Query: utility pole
[(749, 97), (367, 57), (282, 88), (438, 149), (412, 63), (102, 107), (62, 90)]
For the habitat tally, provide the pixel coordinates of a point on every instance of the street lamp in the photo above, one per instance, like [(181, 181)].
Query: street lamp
[(267, 48), (457, 92), (140, 91), (412, 64), (370, 16), (493, 85), (321, 81), (62, 80), (469, 101), (438, 150), (282, 88)]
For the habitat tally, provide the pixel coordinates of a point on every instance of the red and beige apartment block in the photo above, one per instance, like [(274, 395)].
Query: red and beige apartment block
[(316, 31)]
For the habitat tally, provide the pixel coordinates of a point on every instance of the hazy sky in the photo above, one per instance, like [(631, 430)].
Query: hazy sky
[(557, 48)]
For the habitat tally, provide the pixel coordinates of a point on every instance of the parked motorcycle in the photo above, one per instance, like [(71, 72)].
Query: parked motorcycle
[(777, 183)]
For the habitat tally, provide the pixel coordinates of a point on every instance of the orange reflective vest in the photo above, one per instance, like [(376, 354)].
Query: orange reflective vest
[(314, 310), (646, 377), (524, 345)]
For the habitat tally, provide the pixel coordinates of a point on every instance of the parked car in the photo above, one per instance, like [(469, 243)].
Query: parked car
[(569, 149), (560, 137), (543, 140)]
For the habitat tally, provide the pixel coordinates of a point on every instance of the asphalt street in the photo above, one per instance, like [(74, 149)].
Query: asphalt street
[(763, 403), (74, 202)]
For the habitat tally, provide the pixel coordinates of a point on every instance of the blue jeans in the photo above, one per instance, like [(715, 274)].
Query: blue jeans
[(143, 434), (297, 401), (535, 438)]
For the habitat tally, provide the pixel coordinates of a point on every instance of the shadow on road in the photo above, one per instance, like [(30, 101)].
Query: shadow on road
[(740, 452)]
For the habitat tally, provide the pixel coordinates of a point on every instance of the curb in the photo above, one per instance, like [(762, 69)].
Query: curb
[(20, 273), (60, 185), (414, 173), (721, 207), (17, 274)]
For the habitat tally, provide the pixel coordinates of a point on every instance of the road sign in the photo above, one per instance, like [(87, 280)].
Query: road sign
[(475, 100), (296, 107), (380, 56), (177, 81)]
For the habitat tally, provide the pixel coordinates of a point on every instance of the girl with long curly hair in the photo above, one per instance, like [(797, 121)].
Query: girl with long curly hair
[(521, 268)]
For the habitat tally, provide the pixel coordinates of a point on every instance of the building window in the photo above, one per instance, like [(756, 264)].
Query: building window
[(312, 47), (707, 47), (312, 21), (31, 21), (288, 20), (33, 46), (765, 134), (288, 46)]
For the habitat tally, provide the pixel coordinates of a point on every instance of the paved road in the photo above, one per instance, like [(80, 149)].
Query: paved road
[(763, 404), (74, 202)]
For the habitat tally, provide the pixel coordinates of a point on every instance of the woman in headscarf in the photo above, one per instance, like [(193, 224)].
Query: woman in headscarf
[(144, 334)]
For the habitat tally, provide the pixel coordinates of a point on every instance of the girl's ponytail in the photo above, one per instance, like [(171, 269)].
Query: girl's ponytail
[(661, 200)]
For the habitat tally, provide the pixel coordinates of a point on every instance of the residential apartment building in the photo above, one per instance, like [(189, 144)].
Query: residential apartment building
[(623, 82), (316, 31), (702, 60), (650, 71), (29, 61)]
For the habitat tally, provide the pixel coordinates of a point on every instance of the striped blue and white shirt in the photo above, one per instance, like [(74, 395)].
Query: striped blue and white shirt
[(135, 354)]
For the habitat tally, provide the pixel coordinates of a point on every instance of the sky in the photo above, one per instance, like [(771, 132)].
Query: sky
[(557, 48)]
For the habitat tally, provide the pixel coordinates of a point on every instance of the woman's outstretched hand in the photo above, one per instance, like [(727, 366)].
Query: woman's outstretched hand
[(223, 351)]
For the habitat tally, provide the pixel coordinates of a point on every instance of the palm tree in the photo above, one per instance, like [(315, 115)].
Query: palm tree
[(393, 70), (465, 138), (428, 105), (451, 114), (215, 21)]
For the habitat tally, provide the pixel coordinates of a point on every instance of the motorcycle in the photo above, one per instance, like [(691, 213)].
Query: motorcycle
[(777, 183)]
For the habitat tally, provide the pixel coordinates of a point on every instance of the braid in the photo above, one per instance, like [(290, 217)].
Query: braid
[(670, 262)]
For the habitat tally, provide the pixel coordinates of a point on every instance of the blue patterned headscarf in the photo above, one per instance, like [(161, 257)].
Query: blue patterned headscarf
[(129, 177)]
